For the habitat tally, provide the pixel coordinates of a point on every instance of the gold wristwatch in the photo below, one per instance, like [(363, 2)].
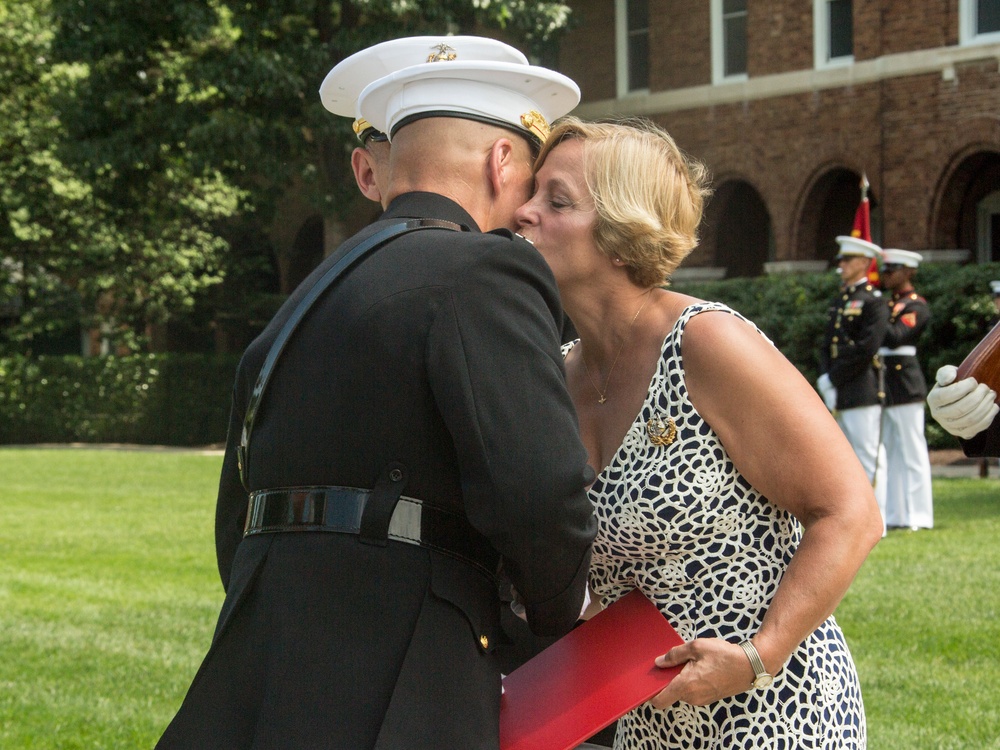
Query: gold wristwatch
[(761, 677)]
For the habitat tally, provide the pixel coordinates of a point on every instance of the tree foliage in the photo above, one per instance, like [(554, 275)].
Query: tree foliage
[(143, 141), (44, 208)]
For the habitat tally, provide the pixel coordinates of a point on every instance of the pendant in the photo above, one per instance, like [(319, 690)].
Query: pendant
[(601, 400)]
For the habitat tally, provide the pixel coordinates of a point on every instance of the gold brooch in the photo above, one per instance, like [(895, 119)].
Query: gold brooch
[(444, 53), (535, 122), (660, 432)]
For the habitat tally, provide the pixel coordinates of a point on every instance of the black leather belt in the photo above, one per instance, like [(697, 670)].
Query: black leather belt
[(340, 510)]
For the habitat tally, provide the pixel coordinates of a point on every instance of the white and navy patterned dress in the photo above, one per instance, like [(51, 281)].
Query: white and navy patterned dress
[(682, 524)]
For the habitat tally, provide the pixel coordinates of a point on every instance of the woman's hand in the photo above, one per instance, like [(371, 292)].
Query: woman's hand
[(713, 669)]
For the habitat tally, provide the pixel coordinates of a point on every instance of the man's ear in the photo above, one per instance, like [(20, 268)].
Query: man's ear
[(364, 174), (500, 164)]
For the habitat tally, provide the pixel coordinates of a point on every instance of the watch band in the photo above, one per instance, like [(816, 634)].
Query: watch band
[(761, 676)]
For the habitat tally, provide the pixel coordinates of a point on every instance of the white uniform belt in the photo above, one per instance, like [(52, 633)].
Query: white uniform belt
[(899, 351)]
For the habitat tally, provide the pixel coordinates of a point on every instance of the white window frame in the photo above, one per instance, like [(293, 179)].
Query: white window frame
[(621, 51), (967, 34), (821, 38), (719, 49)]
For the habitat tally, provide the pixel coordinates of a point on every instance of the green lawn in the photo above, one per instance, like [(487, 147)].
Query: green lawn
[(109, 593), (923, 622)]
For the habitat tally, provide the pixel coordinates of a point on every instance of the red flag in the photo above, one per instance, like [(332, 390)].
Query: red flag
[(862, 220), (863, 227)]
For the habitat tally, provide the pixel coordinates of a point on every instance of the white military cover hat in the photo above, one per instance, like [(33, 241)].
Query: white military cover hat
[(906, 258), (855, 246), (343, 85), (995, 288), (524, 98)]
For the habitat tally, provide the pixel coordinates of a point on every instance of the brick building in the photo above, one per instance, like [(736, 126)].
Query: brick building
[(790, 102)]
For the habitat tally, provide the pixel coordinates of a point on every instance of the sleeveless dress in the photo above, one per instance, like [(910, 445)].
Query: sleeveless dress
[(680, 523)]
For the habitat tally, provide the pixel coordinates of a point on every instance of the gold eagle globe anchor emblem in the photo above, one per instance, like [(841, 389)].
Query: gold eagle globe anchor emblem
[(661, 433), (444, 53)]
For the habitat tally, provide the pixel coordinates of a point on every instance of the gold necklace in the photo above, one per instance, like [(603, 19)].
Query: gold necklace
[(628, 332)]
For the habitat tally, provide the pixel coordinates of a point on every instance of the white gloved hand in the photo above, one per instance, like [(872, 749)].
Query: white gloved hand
[(965, 408), (827, 391)]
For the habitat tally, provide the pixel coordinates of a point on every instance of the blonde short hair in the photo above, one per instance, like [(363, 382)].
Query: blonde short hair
[(649, 196)]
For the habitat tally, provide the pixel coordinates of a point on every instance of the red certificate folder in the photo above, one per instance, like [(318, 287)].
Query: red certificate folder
[(584, 681)]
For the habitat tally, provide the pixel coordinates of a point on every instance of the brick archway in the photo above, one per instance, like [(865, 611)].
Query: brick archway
[(828, 211), (962, 209), (740, 228)]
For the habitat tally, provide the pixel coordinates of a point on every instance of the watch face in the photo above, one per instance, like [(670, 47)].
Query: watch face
[(763, 681)]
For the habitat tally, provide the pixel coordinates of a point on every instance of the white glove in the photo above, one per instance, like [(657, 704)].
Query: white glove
[(827, 391), (965, 408)]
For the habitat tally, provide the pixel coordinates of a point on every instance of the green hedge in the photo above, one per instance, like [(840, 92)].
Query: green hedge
[(183, 399), (791, 310), (162, 399)]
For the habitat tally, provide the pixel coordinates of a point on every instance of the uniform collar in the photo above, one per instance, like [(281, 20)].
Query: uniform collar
[(428, 206)]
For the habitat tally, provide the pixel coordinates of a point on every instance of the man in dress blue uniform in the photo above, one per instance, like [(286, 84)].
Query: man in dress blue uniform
[(415, 436), (968, 409), (850, 369), (909, 501), (339, 94)]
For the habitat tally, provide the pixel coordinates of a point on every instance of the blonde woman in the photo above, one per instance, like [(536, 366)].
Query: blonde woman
[(725, 490)]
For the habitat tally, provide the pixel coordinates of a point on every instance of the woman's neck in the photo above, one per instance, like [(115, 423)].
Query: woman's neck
[(604, 321)]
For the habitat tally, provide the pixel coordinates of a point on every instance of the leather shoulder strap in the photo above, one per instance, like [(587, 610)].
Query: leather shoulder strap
[(347, 261)]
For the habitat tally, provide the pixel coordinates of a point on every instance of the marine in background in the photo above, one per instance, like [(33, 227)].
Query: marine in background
[(850, 378), (909, 501)]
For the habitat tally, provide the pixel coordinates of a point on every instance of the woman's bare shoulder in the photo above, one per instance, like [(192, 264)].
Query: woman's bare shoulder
[(720, 329)]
